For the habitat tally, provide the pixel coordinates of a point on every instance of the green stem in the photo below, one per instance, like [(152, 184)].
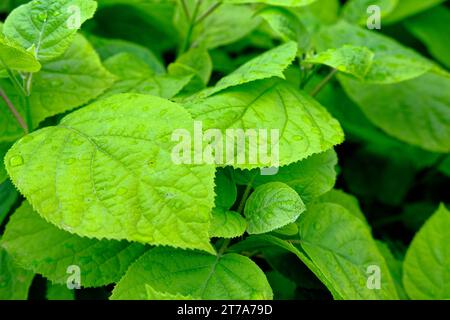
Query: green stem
[(247, 191), (14, 111), (187, 40), (185, 9), (322, 84), (208, 11)]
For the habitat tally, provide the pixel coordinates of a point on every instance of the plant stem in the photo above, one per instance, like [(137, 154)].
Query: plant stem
[(14, 111), (185, 9), (322, 84), (187, 40), (208, 12), (247, 191)]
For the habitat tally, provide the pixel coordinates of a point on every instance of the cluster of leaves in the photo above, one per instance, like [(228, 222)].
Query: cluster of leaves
[(86, 118)]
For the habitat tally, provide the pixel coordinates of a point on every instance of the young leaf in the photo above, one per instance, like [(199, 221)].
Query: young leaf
[(106, 172), (392, 62), (135, 76), (427, 262), (194, 274), (421, 119), (14, 57), (43, 248), (14, 281), (353, 60), (272, 206), (226, 224), (269, 64), (272, 105), (341, 246), (48, 26)]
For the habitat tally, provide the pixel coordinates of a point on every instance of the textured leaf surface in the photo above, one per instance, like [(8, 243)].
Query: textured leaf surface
[(15, 57), (272, 206), (115, 179), (354, 60), (14, 281), (427, 262), (227, 224), (269, 64), (44, 249), (341, 246), (190, 273), (392, 61), (135, 76), (48, 26), (422, 119), (303, 125)]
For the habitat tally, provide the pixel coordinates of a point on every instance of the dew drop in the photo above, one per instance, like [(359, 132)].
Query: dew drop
[(16, 161)]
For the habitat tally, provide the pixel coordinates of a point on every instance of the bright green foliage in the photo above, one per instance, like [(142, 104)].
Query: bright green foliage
[(355, 11), (353, 60), (421, 119), (289, 3), (341, 246), (395, 266), (194, 274), (427, 262), (272, 206), (103, 166), (345, 200), (43, 248), (227, 224), (392, 62), (267, 65), (48, 27), (271, 105), (152, 294), (136, 76), (14, 57), (14, 281)]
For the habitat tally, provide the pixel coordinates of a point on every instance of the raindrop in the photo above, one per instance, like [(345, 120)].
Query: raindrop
[(16, 161)]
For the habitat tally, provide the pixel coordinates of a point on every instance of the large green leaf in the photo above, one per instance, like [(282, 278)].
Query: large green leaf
[(303, 125), (431, 27), (421, 119), (341, 246), (194, 274), (269, 64), (106, 172), (48, 26), (392, 61), (14, 57), (41, 247), (272, 206), (14, 281), (135, 76), (427, 263), (68, 82)]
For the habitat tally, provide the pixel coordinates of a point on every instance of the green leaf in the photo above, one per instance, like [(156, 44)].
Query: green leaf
[(286, 25), (355, 11), (272, 206), (225, 190), (152, 294), (194, 274), (135, 76), (48, 26), (406, 8), (427, 262), (269, 64), (227, 224), (392, 62), (310, 177), (8, 197), (395, 266), (14, 57), (353, 60), (421, 119), (59, 292), (341, 246), (270, 105), (14, 281), (44, 249), (68, 82), (431, 28), (116, 179), (283, 288), (287, 3)]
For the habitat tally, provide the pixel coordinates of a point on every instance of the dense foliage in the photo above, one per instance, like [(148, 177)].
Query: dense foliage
[(353, 207)]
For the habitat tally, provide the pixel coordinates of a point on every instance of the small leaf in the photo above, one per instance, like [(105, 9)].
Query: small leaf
[(194, 274), (272, 206), (427, 263), (48, 26), (226, 224), (14, 57)]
